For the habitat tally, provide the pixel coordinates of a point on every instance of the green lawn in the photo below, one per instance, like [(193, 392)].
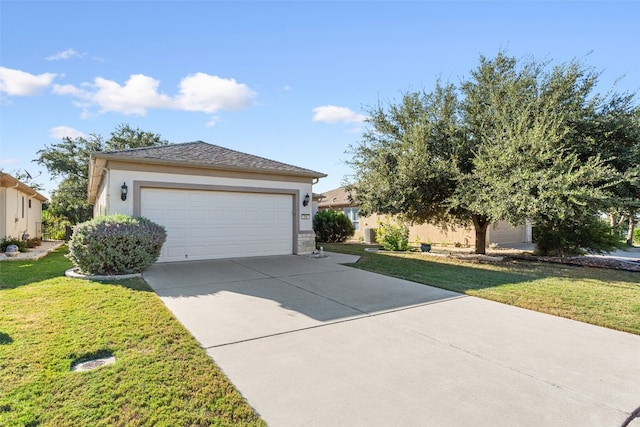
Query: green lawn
[(599, 296), (161, 375)]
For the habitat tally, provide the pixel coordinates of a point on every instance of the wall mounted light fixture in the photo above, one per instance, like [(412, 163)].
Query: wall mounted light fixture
[(305, 202), (123, 191)]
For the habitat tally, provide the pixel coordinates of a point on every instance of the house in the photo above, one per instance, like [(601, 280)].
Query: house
[(501, 233), (213, 201), (20, 209)]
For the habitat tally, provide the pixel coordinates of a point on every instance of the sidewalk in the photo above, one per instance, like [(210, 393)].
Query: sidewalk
[(37, 252)]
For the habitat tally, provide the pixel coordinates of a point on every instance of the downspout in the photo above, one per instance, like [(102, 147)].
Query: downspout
[(107, 197)]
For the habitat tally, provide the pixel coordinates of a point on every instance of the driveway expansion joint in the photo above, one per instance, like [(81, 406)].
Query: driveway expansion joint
[(364, 315)]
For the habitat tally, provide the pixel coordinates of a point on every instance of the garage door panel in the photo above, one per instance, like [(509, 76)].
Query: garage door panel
[(215, 224)]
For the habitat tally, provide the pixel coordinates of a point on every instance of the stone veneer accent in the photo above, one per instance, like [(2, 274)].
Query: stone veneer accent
[(306, 242)]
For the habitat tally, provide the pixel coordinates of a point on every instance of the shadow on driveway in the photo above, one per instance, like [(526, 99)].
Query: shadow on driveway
[(224, 301)]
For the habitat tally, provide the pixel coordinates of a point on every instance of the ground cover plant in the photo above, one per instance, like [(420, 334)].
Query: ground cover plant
[(161, 375), (603, 297)]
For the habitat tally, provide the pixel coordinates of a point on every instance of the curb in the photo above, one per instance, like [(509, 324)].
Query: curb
[(75, 275)]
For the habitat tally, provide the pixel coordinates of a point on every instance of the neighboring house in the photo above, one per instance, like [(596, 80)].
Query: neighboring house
[(20, 209), (501, 232), (213, 201)]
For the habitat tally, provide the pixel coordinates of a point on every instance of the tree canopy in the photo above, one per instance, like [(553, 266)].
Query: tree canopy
[(69, 160), (514, 141)]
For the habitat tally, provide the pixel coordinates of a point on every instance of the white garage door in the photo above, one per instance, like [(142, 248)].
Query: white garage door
[(219, 224)]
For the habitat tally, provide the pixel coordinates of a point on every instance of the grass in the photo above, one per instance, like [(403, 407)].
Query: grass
[(601, 297), (161, 375)]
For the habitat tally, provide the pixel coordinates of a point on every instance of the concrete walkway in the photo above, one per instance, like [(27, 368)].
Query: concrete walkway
[(312, 342)]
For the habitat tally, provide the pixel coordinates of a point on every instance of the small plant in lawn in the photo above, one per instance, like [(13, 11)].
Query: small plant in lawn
[(116, 244), (332, 226), (393, 237), (8, 240)]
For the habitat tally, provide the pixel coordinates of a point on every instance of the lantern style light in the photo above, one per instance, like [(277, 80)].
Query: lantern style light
[(305, 202), (123, 191)]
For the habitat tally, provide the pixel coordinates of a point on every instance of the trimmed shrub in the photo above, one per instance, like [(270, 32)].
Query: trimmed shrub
[(393, 237), (332, 226), (116, 244), (6, 241)]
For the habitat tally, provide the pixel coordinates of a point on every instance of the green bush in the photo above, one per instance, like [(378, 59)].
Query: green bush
[(393, 237), (116, 244), (53, 227), (332, 226), (6, 241), (588, 234)]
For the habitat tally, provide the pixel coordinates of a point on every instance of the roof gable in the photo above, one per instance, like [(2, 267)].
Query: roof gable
[(200, 153)]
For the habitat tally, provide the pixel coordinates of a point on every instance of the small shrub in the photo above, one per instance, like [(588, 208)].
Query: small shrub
[(116, 244), (577, 236), (332, 226), (393, 237), (33, 242), (8, 240)]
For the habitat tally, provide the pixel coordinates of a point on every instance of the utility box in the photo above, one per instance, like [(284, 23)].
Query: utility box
[(369, 235)]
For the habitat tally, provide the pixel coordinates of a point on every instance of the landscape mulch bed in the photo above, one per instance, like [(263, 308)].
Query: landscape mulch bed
[(583, 261)]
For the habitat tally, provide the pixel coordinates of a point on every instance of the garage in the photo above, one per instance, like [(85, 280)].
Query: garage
[(220, 224), (213, 201)]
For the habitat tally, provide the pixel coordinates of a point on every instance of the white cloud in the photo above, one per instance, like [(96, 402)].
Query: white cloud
[(197, 92), (10, 161), (21, 83), (65, 54), (138, 94), (213, 121), (70, 90), (60, 132), (332, 114), (206, 93)]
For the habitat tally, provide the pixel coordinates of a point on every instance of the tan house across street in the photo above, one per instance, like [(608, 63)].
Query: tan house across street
[(20, 209), (500, 233), (213, 201)]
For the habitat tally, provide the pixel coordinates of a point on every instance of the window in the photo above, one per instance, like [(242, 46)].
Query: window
[(29, 203), (352, 214), (22, 207)]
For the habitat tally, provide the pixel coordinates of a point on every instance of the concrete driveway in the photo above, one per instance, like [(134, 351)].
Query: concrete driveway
[(311, 342)]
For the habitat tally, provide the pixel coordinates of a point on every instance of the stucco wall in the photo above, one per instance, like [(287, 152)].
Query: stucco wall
[(500, 232), (110, 192), (16, 218)]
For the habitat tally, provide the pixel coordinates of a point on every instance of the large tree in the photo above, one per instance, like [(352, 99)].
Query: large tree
[(69, 160), (502, 147)]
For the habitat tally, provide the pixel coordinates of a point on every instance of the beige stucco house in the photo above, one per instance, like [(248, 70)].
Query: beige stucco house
[(20, 209), (214, 202), (500, 233)]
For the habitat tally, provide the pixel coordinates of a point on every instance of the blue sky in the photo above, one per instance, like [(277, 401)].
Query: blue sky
[(290, 81)]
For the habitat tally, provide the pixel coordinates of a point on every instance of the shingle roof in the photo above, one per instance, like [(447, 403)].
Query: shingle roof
[(205, 154), (338, 197)]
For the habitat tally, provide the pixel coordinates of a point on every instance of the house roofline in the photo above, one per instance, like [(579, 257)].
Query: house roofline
[(16, 183), (98, 162)]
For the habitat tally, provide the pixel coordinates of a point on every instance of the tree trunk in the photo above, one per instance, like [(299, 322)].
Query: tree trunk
[(632, 223), (480, 223)]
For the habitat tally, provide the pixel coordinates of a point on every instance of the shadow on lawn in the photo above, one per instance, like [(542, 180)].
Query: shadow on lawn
[(462, 276)]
